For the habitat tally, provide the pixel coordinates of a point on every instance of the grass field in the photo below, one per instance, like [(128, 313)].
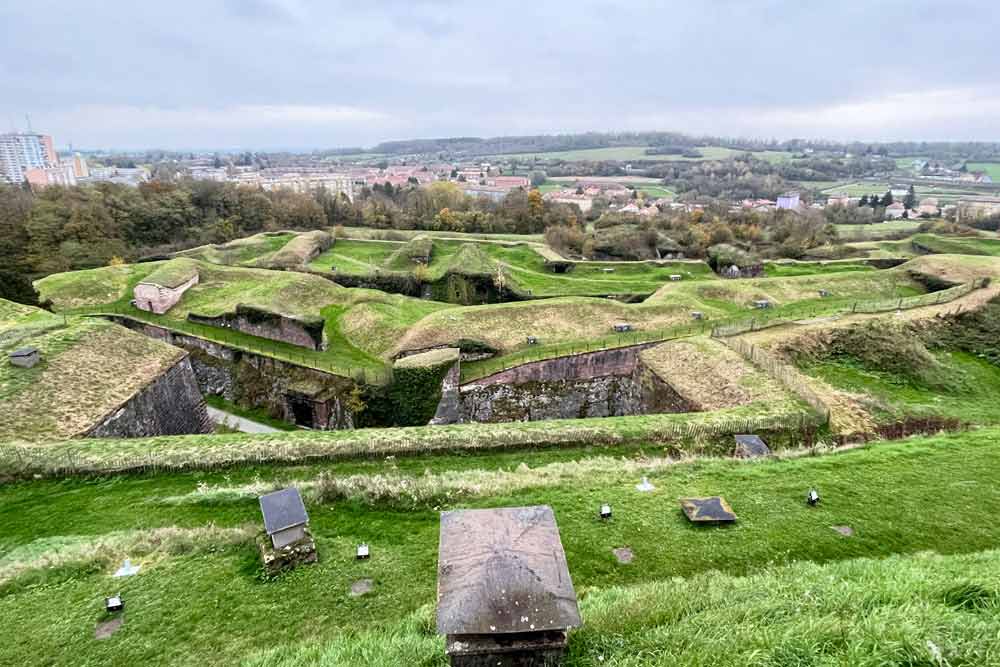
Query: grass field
[(945, 193), (199, 592), (991, 168), (958, 245), (637, 153), (876, 231)]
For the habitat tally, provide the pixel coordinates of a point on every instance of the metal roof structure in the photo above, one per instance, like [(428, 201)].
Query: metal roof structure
[(503, 571), (24, 352), (751, 447), (282, 509), (708, 510)]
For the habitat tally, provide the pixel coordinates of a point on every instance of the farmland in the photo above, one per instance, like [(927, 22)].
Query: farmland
[(637, 153)]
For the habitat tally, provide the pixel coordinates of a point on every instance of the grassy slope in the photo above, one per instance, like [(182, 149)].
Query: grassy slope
[(972, 398), (525, 266), (241, 252), (361, 325), (912, 610), (184, 607), (88, 368)]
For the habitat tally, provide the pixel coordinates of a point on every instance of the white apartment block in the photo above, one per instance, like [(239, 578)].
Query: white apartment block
[(20, 152)]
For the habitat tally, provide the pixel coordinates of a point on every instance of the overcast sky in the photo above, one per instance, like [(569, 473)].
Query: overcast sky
[(324, 73)]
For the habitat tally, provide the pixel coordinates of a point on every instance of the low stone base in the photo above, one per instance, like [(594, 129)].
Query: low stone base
[(535, 649), (288, 557)]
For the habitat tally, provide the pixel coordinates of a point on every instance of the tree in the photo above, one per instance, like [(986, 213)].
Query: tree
[(910, 201), (538, 178), (887, 199), (15, 287), (874, 201)]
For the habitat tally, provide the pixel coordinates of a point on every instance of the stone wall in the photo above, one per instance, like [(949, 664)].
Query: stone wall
[(298, 395), (607, 383), (170, 405), (272, 326)]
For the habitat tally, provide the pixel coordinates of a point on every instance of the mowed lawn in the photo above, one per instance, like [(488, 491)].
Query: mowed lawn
[(192, 600)]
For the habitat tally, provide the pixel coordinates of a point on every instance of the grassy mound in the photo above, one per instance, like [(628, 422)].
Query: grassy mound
[(173, 272), (418, 250), (241, 252), (301, 250), (88, 368), (92, 287)]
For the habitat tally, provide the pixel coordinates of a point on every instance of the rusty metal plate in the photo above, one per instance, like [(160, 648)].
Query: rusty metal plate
[(503, 571), (282, 509), (708, 510), (751, 447)]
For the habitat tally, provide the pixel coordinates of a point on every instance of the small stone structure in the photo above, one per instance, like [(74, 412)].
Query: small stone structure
[(287, 542), (712, 510), (26, 357), (622, 327), (505, 596), (751, 447), (761, 304), (160, 298), (697, 315), (674, 277), (824, 293)]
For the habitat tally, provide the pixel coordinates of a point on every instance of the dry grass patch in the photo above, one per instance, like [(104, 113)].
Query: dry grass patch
[(506, 326), (106, 552), (710, 375), (88, 369)]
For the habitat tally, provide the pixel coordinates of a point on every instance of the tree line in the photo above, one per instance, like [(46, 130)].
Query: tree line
[(69, 228)]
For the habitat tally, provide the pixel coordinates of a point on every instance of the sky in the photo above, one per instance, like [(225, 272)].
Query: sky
[(304, 74)]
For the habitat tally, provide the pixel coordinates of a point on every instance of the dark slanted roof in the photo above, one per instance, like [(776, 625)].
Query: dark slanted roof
[(707, 510), (24, 352), (282, 509), (751, 446), (503, 571)]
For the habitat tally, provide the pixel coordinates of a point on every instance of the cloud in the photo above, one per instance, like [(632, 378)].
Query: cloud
[(312, 72)]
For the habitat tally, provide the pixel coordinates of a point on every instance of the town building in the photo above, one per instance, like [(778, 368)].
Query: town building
[(788, 201), (21, 151)]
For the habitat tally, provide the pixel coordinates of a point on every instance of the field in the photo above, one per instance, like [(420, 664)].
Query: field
[(193, 534), (991, 168), (638, 153), (945, 193), (876, 231)]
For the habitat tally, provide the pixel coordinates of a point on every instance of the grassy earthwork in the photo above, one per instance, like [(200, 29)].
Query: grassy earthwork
[(199, 592)]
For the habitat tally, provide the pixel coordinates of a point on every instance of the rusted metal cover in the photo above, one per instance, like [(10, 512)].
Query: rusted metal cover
[(751, 447), (282, 509), (708, 510), (503, 571)]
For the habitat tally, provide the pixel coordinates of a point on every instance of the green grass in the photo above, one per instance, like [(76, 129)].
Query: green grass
[(184, 607), (241, 252), (877, 230), (862, 612), (173, 272), (975, 384), (525, 265), (991, 168), (638, 153), (253, 414), (790, 269), (958, 245)]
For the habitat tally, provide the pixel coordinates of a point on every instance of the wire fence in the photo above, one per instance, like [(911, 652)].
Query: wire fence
[(783, 372), (789, 315), (721, 329)]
